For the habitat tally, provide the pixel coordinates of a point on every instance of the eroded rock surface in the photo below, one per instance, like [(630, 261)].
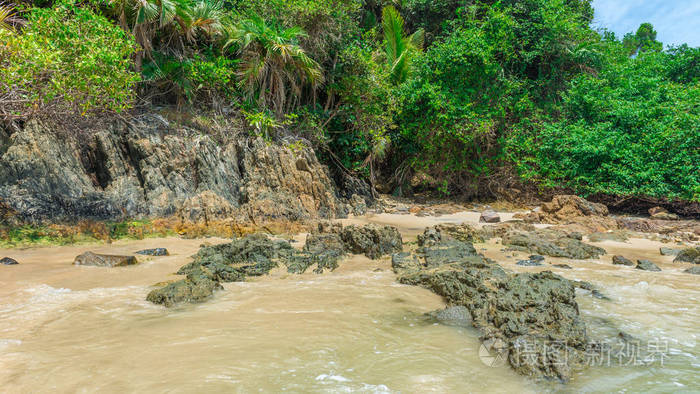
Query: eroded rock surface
[(151, 168), (8, 261), (622, 260), (647, 265), (154, 252), (258, 254), (537, 312), (689, 255)]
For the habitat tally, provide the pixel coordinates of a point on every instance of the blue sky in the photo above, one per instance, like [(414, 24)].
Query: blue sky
[(676, 21)]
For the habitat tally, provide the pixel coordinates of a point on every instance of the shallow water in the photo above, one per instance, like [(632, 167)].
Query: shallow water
[(68, 329)]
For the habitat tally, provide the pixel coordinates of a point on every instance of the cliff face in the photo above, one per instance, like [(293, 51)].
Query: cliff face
[(146, 168)]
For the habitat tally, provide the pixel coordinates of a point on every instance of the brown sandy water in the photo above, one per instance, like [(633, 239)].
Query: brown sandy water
[(84, 329)]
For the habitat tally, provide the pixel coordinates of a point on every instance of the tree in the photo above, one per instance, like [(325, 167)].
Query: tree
[(642, 41), (273, 69), (399, 48)]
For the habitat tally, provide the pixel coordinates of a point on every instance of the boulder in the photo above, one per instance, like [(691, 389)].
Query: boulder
[(104, 260), (689, 255), (665, 216), (154, 252), (8, 261), (647, 265), (657, 210), (621, 260), (564, 266), (528, 263), (616, 236), (489, 217)]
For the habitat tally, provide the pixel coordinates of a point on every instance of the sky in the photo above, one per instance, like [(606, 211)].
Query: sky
[(676, 21)]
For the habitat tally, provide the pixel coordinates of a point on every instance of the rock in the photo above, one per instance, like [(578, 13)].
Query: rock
[(657, 210), (358, 205), (8, 261), (551, 243), (489, 217), (693, 270), (608, 236), (592, 288), (621, 260), (521, 310), (371, 240), (528, 263), (498, 230), (669, 251), (104, 260), (647, 265), (149, 168), (199, 286), (665, 216), (457, 316), (154, 252), (460, 232), (564, 266), (689, 255), (536, 257)]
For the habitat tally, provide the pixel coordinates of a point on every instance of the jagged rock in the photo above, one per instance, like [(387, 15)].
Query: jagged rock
[(358, 204), (154, 252), (371, 240), (521, 310), (104, 260), (551, 243), (199, 286), (621, 260), (147, 167), (669, 251), (647, 265), (8, 261), (457, 316), (690, 255), (489, 217), (693, 270)]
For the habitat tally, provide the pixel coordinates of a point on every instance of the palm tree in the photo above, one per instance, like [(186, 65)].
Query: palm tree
[(274, 69), (399, 48), (8, 17)]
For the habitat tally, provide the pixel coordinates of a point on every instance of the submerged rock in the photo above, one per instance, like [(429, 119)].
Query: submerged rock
[(521, 310), (8, 261), (622, 260), (528, 263), (551, 243), (489, 217), (693, 270), (154, 252), (690, 255), (457, 316), (647, 265), (104, 260), (197, 287), (564, 266)]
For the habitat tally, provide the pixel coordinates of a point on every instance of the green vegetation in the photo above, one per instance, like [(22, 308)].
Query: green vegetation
[(468, 95)]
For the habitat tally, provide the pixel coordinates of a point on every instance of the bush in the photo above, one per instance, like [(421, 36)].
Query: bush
[(68, 59), (632, 130)]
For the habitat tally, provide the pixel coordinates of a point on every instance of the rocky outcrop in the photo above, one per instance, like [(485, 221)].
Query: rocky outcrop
[(689, 255), (104, 260), (532, 318), (551, 243), (258, 254), (489, 217), (147, 167)]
